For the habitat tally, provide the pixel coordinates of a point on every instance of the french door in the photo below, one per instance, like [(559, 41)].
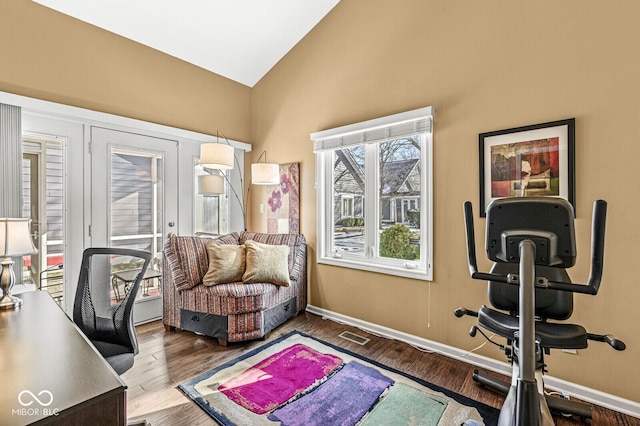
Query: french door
[(134, 204), (52, 190), (43, 202)]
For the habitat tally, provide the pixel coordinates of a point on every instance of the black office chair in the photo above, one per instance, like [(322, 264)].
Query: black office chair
[(532, 242), (108, 323)]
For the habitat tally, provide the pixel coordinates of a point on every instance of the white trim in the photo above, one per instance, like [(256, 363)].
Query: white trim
[(399, 269), (426, 214), (76, 114), (583, 393)]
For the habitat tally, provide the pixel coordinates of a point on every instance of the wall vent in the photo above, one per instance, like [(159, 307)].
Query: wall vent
[(347, 335)]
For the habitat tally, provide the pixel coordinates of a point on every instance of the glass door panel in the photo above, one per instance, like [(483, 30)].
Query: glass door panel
[(134, 205), (43, 202)]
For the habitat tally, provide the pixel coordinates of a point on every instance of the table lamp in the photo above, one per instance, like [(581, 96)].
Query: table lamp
[(15, 241)]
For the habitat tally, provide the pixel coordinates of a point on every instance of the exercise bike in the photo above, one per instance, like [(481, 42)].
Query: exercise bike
[(532, 242)]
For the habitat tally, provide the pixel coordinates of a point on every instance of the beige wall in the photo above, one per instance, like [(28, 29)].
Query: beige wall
[(47, 55), (483, 66)]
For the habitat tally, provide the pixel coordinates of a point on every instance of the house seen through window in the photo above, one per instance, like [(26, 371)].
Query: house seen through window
[(374, 196)]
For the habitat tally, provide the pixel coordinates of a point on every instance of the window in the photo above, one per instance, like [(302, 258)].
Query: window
[(347, 206), (136, 180), (374, 194), (211, 205), (136, 187)]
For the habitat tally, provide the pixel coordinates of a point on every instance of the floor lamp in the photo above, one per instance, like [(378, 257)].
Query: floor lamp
[(15, 241), (220, 156)]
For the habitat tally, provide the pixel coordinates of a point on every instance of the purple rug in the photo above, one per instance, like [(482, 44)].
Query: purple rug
[(300, 380), (345, 398), (278, 378)]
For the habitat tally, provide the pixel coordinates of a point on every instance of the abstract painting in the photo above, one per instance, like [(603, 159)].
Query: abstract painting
[(283, 201), (529, 161)]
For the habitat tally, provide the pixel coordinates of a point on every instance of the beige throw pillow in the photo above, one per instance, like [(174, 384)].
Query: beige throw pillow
[(266, 263), (226, 263)]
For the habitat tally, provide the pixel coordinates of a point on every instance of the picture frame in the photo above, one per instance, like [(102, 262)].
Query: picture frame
[(535, 160)]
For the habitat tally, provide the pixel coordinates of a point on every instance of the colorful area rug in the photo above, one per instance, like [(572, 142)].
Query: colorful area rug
[(300, 380)]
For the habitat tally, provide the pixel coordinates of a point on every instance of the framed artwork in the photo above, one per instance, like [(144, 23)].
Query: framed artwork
[(283, 201), (536, 160)]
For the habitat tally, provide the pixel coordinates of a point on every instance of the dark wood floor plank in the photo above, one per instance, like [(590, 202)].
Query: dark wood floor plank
[(167, 359)]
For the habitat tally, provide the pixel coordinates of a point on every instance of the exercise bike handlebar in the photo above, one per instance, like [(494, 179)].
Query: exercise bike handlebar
[(597, 255)]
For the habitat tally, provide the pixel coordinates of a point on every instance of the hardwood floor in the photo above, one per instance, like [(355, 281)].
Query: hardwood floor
[(167, 359)]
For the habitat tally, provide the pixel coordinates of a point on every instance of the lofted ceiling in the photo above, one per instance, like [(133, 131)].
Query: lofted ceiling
[(238, 39)]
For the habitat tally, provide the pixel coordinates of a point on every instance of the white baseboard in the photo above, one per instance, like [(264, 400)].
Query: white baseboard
[(584, 393)]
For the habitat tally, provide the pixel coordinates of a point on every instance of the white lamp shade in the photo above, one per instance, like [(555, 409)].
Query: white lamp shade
[(211, 184), (216, 156), (265, 174), (15, 237)]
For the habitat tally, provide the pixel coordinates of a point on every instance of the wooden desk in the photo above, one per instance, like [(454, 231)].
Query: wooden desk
[(44, 355)]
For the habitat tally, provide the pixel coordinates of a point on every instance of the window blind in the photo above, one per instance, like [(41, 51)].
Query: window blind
[(375, 131), (11, 154)]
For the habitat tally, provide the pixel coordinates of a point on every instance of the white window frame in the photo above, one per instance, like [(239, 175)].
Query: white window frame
[(372, 133)]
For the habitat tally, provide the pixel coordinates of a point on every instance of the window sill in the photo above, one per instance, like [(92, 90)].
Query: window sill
[(417, 274)]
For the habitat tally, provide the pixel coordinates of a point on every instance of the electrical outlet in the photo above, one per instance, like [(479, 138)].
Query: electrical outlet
[(571, 351), (261, 208)]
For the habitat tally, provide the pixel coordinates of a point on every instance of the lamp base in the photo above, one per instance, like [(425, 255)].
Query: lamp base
[(7, 278), (10, 302)]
